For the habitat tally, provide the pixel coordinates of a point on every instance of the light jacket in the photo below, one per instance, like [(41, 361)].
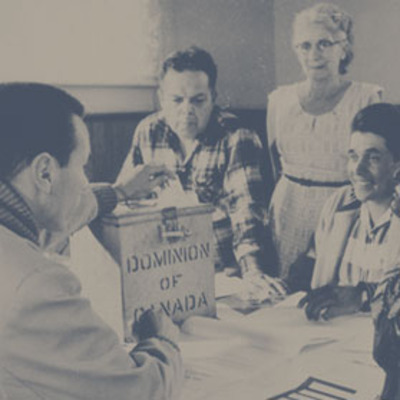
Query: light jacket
[(337, 219), (52, 344)]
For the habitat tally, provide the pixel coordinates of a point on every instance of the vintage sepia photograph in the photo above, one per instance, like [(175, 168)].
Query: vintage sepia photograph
[(199, 200)]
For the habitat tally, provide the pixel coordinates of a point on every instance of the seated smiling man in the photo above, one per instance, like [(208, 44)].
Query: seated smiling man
[(357, 239), (52, 344), (215, 156)]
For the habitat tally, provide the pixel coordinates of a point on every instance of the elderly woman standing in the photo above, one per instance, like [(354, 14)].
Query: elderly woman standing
[(308, 126)]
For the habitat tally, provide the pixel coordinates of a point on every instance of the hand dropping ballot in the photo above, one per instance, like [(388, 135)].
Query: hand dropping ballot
[(165, 251), (172, 194)]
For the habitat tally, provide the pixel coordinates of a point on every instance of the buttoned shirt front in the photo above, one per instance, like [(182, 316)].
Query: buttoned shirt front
[(369, 249)]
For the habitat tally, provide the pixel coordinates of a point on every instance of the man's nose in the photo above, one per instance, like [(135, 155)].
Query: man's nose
[(188, 107), (360, 166), (315, 52)]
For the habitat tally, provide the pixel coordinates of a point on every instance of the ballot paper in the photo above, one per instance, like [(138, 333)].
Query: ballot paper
[(237, 293), (172, 194), (227, 285)]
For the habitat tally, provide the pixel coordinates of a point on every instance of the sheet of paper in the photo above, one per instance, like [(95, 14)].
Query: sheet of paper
[(174, 195), (234, 361), (227, 286)]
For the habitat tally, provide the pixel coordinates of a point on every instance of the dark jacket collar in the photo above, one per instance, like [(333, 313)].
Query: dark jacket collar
[(15, 213)]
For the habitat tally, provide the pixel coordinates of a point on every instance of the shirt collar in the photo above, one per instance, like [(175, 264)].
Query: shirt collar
[(349, 201), (366, 220), (16, 215)]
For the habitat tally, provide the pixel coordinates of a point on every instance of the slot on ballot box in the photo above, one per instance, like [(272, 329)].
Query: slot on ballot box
[(166, 257)]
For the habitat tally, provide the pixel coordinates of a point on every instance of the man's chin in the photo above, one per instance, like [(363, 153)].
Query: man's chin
[(187, 132), (362, 194)]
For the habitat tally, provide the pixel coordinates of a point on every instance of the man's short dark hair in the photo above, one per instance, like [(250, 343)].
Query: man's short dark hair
[(382, 119), (192, 59), (35, 118)]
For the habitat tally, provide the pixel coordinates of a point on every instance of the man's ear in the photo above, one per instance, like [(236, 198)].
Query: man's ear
[(160, 97), (44, 168), (214, 94), (396, 172)]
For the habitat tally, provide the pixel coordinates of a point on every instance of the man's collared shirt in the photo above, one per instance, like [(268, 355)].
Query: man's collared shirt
[(223, 168), (369, 249)]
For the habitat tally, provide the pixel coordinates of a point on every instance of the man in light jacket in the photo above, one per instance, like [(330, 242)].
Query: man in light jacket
[(52, 344)]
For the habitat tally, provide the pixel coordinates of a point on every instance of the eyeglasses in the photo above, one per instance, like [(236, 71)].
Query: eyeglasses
[(322, 45)]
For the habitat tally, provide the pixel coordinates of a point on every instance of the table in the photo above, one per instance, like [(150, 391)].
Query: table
[(273, 350), (251, 357)]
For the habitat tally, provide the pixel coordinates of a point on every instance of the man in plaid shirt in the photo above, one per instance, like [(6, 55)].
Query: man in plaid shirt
[(215, 156)]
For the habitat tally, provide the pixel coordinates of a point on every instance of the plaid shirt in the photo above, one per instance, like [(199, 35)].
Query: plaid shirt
[(224, 170)]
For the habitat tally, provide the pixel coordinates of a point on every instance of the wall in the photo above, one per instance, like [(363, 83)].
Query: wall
[(377, 48), (101, 50), (239, 35), (96, 48)]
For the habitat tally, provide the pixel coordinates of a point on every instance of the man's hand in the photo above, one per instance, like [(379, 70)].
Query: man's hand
[(261, 288), (142, 181), (153, 324), (331, 301)]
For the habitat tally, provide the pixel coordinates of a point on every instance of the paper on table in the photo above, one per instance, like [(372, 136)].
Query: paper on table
[(270, 334), (291, 301), (227, 285), (214, 364), (283, 329), (208, 348)]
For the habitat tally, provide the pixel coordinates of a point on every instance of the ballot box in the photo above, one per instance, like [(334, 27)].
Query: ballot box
[(166, 257)]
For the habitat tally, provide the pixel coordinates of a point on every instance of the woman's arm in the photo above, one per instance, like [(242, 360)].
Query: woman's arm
[(274, 155)]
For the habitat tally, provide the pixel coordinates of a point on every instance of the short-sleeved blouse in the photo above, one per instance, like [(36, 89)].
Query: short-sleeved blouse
[(315, 147)]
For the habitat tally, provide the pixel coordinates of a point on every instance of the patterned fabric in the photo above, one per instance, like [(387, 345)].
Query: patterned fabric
[(106, 198), (16, 215), (312, 148), (223, 169)]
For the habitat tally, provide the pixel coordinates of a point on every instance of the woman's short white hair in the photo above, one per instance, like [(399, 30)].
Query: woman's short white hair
[(336, 21)]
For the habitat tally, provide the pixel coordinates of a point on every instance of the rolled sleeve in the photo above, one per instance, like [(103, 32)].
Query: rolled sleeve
[(246, 205), (106, 198)]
